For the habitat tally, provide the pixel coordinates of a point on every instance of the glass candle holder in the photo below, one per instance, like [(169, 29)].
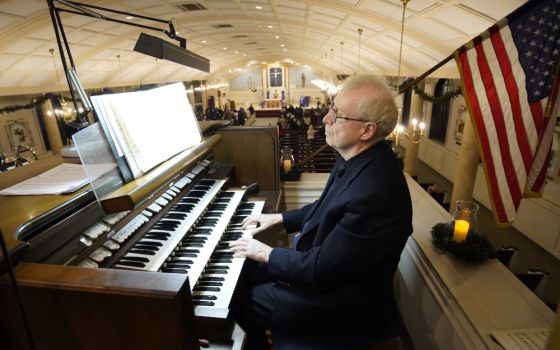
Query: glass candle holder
[(287, 165), (464, 220)]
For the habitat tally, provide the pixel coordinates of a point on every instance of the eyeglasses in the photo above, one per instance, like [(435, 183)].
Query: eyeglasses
[(337, 115)]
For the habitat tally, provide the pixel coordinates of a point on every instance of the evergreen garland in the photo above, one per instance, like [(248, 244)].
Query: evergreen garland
[(439, 99), (40, 99), (36, 101), (475, 249)]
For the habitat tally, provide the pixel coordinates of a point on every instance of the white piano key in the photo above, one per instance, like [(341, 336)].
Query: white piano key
[(220, 309), (157, 260)]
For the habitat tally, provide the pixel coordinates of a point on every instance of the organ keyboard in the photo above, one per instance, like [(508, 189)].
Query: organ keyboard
[(164, 260)]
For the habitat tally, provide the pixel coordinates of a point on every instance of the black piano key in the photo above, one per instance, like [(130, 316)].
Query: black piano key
[(131, 263), (184, 255), (159, 233), (216, 267), (204, 297), (188, 250), (211, 278), (197, 194), (246, 205), (222, 200), (195, 240), (136, 258), (203, 302), (174, 270), (193, 245), (142, 251), (209, 284), (213, 214), (179, 216), (202, 188), (217, 271), (159, 238), (206, 289), (202, 231), (226, 194), (226, 261), (181, 259), (189, 200), (243, 212), (155, 244), (184, 264), (222, 255)]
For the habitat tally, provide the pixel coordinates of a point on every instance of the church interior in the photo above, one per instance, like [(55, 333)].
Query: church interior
[(260, 76)]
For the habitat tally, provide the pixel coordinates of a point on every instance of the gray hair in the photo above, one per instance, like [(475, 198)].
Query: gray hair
[(378, 105)]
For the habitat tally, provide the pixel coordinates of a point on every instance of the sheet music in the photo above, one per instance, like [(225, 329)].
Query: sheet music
[(149, 126), (64, 178), (522, 339)]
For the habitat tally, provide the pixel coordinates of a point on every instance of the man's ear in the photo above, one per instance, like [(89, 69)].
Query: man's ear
[(370, 129)]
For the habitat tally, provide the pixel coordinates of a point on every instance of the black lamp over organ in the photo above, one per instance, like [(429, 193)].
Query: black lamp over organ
[(147, 44)]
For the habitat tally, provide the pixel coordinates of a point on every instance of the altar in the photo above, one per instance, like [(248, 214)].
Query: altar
[(272, 103)]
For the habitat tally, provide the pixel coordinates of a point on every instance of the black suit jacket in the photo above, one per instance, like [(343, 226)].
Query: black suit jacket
[(336, 289)]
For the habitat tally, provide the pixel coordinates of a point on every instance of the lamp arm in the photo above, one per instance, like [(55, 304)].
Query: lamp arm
[(83, 9)]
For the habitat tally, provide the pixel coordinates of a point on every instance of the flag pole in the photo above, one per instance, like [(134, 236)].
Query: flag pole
[(408, 84)]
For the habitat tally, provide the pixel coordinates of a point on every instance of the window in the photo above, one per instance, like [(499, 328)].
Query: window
[(407, 99), (440, 112), (275, 77)]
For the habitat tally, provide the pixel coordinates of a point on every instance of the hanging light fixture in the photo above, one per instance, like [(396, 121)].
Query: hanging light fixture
[(417, 126), (341, 50), (65, 111), (404, 2), (360, 31)]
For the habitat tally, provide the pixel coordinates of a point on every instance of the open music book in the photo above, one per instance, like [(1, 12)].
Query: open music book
[(148, 127)]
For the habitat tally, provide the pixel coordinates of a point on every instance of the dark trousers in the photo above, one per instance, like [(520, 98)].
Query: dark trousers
[(253, 305)]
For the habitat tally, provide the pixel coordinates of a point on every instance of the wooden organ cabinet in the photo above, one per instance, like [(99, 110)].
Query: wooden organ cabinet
[(110, 274)]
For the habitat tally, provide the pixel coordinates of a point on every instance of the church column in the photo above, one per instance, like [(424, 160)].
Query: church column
[(467, 166), (53, 133), (411, 154)]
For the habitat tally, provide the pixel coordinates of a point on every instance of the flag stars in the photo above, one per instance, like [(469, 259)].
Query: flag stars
[(533, 18), (529, 54), (541, 20), (533, 43), (546, 73), (520, 26), (538, 32), (541, 83)]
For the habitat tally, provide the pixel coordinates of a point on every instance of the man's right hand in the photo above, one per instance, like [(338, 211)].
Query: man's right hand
[(254, 224)]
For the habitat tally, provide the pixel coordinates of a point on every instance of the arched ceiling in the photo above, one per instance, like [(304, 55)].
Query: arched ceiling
[(237, 34)]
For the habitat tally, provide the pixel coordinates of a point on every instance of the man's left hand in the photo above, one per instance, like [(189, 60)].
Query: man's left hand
[(248, 247)]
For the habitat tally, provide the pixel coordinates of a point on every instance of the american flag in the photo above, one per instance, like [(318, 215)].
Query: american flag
[(509, 75)]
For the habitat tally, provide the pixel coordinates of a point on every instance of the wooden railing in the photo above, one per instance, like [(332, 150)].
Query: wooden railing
[(311, 155)]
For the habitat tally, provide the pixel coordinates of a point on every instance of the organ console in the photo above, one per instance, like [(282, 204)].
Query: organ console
[(148, 266)]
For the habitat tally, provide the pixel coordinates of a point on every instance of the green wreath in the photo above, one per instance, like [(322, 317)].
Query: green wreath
[(437, 99), (475, 249)]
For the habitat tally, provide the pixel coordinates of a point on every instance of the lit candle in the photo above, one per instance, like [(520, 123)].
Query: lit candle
[(461, 230), (287, 165)]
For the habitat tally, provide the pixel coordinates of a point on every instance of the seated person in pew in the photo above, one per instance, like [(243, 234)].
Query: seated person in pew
[(334, 288)]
